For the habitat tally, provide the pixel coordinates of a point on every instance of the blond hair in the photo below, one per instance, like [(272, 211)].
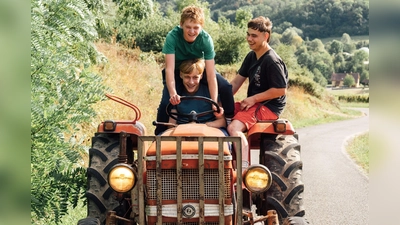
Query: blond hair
[(193, 13), (188, 66)]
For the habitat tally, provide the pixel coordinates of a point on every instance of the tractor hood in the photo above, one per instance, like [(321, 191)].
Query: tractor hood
[(191, 146)]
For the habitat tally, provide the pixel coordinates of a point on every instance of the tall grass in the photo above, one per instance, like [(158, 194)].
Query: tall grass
[(136, 77)]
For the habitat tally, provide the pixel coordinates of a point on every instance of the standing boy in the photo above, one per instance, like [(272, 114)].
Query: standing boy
[(190, 41), (268, 79)]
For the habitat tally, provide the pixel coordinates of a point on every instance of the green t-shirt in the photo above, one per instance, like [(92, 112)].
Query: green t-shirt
[(202, 47)]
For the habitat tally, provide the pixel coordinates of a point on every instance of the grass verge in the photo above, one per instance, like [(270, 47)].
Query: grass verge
[(358, 149)]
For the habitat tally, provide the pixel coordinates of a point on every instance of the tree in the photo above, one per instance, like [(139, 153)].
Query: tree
[(105, 14), (325, 69), (305, 59), (62, 92), (338, 63), (230, 45), (297, 41), (346, 39), (134, 9), (336, 47), (316, 45), (275, 39), (348, 45), (149, 39), (357, 62), (282, 27), (319, 78), (242, 17), (130, 12), (288, 36), (349, 80)]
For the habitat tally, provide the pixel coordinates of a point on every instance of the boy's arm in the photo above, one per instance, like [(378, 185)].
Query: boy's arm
[(212, 79), (237, 83), (261, 97), (219, 119), (170, 78)]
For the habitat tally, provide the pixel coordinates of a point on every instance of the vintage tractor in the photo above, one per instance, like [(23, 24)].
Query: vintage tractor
[(191, 175)]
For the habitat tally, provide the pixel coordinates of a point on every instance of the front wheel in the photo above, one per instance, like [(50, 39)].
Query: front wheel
[(281, 154), (102, 156), (89, 221)]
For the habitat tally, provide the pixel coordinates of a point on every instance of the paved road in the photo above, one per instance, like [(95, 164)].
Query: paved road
[(336, 190)]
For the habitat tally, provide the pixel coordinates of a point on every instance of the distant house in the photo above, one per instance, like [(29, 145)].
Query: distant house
[(337, 79)]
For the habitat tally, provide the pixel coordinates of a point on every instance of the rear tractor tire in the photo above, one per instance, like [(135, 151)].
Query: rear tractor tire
[(282, 157)]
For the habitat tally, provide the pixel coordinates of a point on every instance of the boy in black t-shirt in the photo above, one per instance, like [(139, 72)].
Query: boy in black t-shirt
[(268, 78)]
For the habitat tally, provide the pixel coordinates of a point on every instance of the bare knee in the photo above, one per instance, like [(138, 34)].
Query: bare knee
[(235, 128)]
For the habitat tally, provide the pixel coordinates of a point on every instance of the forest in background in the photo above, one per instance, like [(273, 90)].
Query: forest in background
[(315, 18)]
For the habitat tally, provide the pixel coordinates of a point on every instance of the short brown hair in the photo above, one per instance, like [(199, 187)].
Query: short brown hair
[(188, 66), (193, 13), (262, 24)]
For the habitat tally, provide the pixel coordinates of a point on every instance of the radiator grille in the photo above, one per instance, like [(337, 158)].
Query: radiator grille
[(190, 184)]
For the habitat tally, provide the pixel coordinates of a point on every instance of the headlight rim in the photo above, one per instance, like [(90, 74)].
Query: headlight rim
[(125, 166), (257, 166)]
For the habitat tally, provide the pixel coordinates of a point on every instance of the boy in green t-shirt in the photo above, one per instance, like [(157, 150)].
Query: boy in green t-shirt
[(190, 41)]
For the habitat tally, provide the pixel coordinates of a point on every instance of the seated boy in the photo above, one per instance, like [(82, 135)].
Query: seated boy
[(191, 72)]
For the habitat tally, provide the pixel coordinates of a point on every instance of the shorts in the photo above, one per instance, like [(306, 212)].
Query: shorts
[(248, 118)]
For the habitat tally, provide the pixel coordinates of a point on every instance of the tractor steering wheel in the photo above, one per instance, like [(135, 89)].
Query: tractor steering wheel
[(193, 115)]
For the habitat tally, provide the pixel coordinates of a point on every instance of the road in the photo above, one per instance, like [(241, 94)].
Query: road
[(336, 190)]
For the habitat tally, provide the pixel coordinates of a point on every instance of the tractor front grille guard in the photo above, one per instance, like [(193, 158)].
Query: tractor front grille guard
[(201, 174)]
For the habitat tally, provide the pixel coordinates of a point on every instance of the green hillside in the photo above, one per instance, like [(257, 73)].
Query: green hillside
[(315, 18)]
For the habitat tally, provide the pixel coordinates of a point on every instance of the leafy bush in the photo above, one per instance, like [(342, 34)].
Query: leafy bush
[(307, 84), (230, 46), (349, 80), (62, 92), (140, 24), (354, 98), (149, 34)]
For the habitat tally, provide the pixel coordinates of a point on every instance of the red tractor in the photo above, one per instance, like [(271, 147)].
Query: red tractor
[(190, 175)]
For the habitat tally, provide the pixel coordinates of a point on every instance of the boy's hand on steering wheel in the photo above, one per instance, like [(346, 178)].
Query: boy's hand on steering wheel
[(175, 99), (220, 114)]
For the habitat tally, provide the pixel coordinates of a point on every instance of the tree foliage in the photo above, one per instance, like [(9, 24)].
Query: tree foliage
[(62, 91), (349, 80), (242, 17), (316, 18), (230, 47)]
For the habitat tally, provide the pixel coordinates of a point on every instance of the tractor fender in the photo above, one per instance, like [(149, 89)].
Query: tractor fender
[(254, 134)]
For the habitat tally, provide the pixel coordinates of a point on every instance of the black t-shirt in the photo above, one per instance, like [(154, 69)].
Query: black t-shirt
[(269, 71)]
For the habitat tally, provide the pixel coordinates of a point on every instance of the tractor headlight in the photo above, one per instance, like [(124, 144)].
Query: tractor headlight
[(122, 178), (257, 178)]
